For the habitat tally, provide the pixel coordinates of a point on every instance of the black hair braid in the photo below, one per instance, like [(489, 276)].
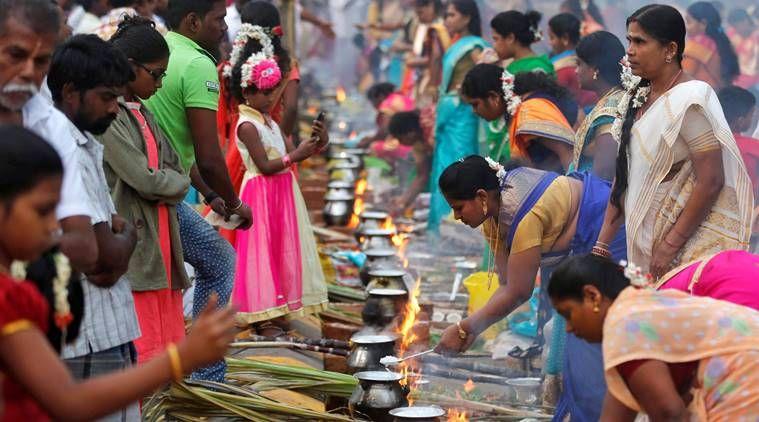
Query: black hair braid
[(621, 180)]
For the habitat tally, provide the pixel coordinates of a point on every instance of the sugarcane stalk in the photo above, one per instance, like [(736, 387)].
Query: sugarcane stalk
[(300, 346), (472, 366), (452, 402), (321, 342)]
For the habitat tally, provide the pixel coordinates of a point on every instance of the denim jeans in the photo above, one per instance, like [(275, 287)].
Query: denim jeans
[(214, 261)]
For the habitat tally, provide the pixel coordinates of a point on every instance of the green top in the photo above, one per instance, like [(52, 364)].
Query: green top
[(191, 82), (528, 64), (137, 190)]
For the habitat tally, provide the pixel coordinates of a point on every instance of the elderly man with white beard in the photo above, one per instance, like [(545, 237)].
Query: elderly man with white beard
[(29, 32)]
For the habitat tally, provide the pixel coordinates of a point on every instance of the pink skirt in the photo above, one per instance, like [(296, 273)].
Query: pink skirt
[(268, 276)]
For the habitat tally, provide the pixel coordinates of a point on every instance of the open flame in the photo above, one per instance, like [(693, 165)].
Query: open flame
[(405, 330), (361, 187), (399, 240), (358, 208), (456, 415), (469, 386), (340, 95), (412, 310)]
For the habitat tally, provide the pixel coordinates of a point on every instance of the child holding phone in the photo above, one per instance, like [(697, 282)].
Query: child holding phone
[(278, 269)]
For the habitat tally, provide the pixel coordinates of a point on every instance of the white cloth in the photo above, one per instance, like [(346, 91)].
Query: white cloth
[(42, 118), (234, 22), (110, 319), (88, 24)]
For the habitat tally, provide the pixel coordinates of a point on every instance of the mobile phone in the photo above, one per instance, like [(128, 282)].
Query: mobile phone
[(320, 118)]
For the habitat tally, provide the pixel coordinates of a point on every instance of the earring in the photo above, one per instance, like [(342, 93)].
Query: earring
[(595, 75), (596, 309), (668, 59)]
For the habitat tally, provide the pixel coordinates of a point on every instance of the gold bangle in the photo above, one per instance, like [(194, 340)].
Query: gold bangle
[(176, 362), (462, 333)]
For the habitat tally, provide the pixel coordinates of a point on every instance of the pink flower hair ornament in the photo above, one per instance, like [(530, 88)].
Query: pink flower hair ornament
[(261, 72)]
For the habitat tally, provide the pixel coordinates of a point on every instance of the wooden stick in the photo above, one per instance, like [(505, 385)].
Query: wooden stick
[(452, 402), (472, 366)]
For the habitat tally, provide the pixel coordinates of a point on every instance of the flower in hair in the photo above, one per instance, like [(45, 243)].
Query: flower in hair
[(636, 276), (277, 30), (260, 71), (247, 32), (629, 80), (507, 86), (500, 172), (537, 33)]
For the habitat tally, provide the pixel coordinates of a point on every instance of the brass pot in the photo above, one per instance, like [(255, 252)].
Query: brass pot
[(338, 208), (367, 350), (371, 220), (383, 305), (377, 239), (377, 259), (345, 172), (418, 414), (386, 279), (377, 393)]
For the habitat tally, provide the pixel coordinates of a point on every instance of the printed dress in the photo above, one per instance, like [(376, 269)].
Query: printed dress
[(278, 269)]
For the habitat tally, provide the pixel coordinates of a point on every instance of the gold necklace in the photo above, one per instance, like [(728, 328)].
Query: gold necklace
[(491, 257)]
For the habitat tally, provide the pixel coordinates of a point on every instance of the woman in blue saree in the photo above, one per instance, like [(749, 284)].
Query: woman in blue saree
[(456, 126), (532, 220)]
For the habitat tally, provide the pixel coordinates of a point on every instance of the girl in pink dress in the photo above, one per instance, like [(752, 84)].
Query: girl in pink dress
[(278, 269)]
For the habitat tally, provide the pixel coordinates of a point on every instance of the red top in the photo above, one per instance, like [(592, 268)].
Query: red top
[(682, 373), (749, 148), (22, 307), (567, 77)]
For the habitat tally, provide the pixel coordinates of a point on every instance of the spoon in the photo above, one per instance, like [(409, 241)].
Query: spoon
[(392, 360)]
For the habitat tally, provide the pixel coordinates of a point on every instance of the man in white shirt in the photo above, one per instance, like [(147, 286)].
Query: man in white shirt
[(29, 30), (87, 75)]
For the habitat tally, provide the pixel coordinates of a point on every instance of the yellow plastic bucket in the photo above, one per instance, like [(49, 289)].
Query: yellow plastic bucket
[(480, 291)]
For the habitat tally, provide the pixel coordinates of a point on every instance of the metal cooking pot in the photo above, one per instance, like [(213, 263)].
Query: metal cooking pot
[(377, 393), (528, 390), (386, 279), (383, 305), (378, 259), (338, 208), (345, 158), (377, 239), (345, 172), (418, 414), (341, 188), (371, 220), (367, 350)]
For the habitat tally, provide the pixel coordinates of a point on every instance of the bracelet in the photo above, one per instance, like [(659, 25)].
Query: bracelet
[(287, 161), (176, 362), (212, 196), (602, 244), (599, 251), (462, 333), (236, 207)]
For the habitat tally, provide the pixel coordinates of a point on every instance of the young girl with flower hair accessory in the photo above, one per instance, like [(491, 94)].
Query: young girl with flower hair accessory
[(278, 270), (284, 111)]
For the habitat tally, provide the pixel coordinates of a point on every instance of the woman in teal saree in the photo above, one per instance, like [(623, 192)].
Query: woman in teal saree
[(456, 125)]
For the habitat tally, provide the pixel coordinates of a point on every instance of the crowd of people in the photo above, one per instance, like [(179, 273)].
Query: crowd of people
[(111, 111)]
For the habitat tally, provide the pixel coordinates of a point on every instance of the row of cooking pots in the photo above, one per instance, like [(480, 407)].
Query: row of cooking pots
[(344, 166)]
